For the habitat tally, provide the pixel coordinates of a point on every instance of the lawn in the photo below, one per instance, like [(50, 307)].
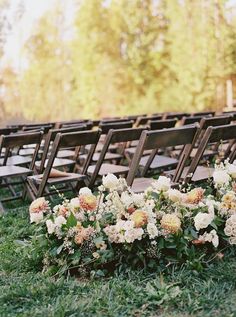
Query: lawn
[(25, 291)]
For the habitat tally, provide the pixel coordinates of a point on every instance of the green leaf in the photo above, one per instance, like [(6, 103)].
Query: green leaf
[(59, 249), (71, 221)]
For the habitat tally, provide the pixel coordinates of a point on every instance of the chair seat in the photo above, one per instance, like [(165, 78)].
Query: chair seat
[(202, 173), (6, 171), (17, 160), (108, 157), (109, 168), (159, 162), (141, 184), (99, 147), (130, 151), (54, 180), (65, 153), (26, 152), (207, 152), (58, 162)]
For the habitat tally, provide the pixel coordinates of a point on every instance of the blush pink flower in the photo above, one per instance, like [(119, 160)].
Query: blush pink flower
[(88, 202)]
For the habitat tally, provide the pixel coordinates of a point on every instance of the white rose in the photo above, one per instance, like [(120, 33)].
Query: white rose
[(162, 184), (50, 226), (36, 217), (85, 191), (175, 195), (215, 238), (202, 220), (232, 240), (110, 181), (210, 237), (221, 177), (152, 230), (231, 168), (75, 203), (59, 221)]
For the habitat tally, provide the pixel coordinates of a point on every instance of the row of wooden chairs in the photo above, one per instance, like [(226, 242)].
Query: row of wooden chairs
[(91, 151)]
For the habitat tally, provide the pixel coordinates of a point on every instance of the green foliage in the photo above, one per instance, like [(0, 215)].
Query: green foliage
[(26, 292)]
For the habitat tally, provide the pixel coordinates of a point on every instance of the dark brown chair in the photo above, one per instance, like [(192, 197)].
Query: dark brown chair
[(63, 157), (40, 184), (196, 172), (121, 137), (154, 140), (11, 172), (204, 113), (162, 124), (175, 115), (141, 121)]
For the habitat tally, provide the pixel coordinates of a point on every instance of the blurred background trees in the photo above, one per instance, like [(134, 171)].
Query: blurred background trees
[(123, 57)]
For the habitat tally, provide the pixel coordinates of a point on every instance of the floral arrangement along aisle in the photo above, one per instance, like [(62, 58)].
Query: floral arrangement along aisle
[(116, 228)]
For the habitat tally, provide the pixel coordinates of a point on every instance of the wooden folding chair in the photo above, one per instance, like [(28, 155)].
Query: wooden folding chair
[(9, 172), (40, 184), (154, 140), (162, 124), (203, 113), (121, 137), (193, 119), (153, 125), (143, 120), (196, 172), (204, 124), (105, 128), (175, 115), (63, 158)]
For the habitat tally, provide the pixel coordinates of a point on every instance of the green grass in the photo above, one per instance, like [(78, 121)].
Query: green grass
[(25, 291)]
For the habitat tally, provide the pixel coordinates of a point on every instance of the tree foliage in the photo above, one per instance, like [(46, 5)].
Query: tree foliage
[(136, 56)]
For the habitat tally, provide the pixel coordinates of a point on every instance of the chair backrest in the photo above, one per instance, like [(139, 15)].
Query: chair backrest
[(16, 140), (154, 140), (176, 115), (213, 135), (106, 127), (204, 113), (67, 124), (122, 136), (6, 131), (214, 121), (71, 139), (192, 119), (142, 120), (161, 124), (51, 137), (114, 120)]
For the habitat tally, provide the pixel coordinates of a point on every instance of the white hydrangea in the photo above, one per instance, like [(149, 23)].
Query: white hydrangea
[(221, 177), (126, 199), (138, 199), (123, 231), (203, 220), (162, 184), (152, 230), (110, 181), (59, 221), (50, 226), (211, 237), (36, 217), (85, 191)]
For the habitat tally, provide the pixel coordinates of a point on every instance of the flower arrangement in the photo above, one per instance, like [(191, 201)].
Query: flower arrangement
[(115, 227)]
